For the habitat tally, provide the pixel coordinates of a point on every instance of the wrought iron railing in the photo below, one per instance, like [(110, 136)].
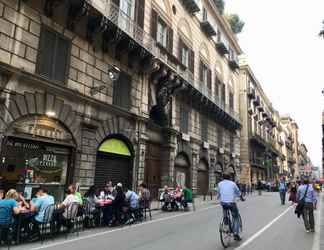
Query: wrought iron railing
[(118, 17)]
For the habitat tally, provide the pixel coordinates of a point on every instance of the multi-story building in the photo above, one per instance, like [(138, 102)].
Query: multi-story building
[(119, 90), (323, 144), (303, 160), (259, 152), (290, 147)]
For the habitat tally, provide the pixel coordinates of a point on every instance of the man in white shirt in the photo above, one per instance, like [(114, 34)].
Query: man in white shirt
[(227, 192)]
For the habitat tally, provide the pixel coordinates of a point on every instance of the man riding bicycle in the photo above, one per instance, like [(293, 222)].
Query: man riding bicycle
[(227, 192)]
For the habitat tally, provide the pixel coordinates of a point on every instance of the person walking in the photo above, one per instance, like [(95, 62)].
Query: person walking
[(282, 190), (259, 187), (306, 192), (293, 193)]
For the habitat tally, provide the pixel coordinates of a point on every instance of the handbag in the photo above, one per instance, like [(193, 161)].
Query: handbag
[(301, 203)]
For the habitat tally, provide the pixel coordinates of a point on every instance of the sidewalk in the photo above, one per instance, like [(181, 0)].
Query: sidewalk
[(321, 223)]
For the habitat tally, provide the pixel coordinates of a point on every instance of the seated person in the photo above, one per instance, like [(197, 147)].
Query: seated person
[(10, 201), (167, 199), (64, 219), (144, 196), (118, 203), (187, 196), (39, 205), (107, 192), (132, 199), (92, 201), (177, 194)]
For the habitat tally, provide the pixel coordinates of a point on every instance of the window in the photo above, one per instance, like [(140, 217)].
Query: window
[(231, 101), (185, 56), (220, 137), (162, 33), (122, 91), (205, 75), (53, 55), (204, 14), (223, 100)]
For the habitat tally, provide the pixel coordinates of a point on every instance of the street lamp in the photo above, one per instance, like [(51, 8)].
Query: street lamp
[(113, 73)]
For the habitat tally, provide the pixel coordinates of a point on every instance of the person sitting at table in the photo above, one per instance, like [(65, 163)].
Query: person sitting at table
[(131, 199), (177, 194), (118, 203), (39, 205), (93, 202), (187, 197), (166, 198), (68, 201), (10, 201), (144, 195), (107, 194)]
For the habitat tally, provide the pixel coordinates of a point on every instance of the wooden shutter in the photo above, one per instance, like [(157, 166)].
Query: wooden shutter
[(223, 94), (122, 91), (140, 10), (184, 118), (62, 52), (201, 68), (117, 2), (170, 40), (192, 61), (46, 56), (209, 80), (216, 86), (154, 18), (204, 128), (180, 46), (231, 100)]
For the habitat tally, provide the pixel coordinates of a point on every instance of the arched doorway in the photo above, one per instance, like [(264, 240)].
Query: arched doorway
[(218, 172), (114, 163), (37, 150), (182, 170), (202, 178)]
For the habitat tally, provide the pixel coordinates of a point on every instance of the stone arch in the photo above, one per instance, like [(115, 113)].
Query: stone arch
[(184, 28), (182, 169), (116, 127), (203, 50), (18, 106)]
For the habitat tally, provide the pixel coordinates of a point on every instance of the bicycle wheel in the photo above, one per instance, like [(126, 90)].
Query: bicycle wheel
[(225, 232), (240, 223)]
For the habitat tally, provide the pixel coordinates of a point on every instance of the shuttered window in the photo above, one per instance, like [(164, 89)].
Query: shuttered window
[(140, 10), (122, 91), (231, 101), (54, 51), (204, 128), (184, 118), (161, 32), (220, 137), (223, 94), (217, 86), (186, 56)]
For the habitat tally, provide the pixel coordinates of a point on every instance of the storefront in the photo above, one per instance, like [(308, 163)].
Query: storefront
[(218, 173), (37, 151), (114, 163)]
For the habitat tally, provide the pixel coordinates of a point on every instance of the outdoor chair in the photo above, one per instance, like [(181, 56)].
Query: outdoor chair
[(47, 226), (71, 219), (6, 225), (91, 218), (146, 208)]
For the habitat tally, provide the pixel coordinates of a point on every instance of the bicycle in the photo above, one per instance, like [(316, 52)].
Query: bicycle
[(226, 227)]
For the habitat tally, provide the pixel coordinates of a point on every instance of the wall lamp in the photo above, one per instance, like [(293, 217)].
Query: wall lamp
[(113, 74)]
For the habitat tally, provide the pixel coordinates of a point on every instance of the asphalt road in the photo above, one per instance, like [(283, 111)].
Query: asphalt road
[(266, 225)]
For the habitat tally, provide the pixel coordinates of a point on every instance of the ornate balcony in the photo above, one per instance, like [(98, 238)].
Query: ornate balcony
[(192, 6), (251, 93), (256, 101), (233, 62), (207, 27)]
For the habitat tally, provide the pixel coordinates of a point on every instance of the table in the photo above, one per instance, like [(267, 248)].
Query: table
[(101, 205)]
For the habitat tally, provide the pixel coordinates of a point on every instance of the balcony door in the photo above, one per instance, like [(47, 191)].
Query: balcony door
[(126, 15)]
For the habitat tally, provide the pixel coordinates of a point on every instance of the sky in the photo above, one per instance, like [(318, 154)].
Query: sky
[(281, 43)]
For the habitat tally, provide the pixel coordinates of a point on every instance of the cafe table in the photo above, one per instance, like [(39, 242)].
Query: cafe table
[(101, 204), (24, 215)]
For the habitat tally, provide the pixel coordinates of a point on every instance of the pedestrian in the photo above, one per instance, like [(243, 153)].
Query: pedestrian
[(259, 187), (306, 195), (293, 193), (282, 190)]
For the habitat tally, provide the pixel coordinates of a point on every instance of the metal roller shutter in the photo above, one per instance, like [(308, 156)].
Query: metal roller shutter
[(202, 182)]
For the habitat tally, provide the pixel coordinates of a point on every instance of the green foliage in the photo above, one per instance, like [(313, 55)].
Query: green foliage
[(235, 22), (220, 4), (322, 31)]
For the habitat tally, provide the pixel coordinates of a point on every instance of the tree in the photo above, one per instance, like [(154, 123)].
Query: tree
[(235, 22), (322, 31), (220, 4)]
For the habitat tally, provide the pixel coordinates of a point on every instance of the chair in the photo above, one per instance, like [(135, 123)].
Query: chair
[(6, 224), (89, 216), (47, 223), (71, 217), (146, 208)]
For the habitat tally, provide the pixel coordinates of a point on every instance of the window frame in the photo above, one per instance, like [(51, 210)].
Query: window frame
[(163, 25), (68, 56)]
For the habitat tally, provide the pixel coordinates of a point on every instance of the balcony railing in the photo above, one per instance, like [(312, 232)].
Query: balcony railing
[(221, 45), (115, 15), (233, 62), (256, 161), (191, 5)]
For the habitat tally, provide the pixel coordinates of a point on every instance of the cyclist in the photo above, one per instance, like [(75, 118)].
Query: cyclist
[(227, 192)]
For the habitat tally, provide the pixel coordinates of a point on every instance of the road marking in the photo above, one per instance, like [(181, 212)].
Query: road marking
[(121, 229), (316, 244), (257, 234)]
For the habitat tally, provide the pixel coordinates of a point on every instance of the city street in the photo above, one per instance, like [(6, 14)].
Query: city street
[(266, 225)]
